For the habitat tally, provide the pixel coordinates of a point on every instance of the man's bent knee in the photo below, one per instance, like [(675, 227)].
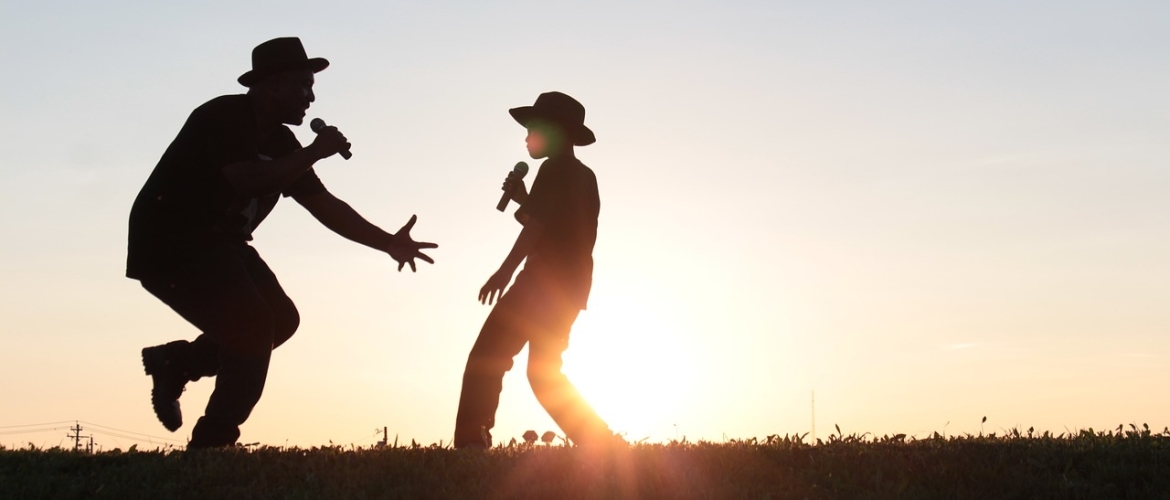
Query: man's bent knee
[(249, 333), (286, 326)]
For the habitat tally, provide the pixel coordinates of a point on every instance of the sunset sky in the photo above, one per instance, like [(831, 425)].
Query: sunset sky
[(925, 212)]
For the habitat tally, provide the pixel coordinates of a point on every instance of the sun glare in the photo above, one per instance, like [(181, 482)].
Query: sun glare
[(630, 364)]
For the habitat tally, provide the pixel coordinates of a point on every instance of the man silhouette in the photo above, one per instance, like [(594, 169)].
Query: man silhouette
[(560, 227), (191, 223)]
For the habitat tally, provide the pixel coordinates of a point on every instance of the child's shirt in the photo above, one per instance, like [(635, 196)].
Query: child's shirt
[(564, 199)]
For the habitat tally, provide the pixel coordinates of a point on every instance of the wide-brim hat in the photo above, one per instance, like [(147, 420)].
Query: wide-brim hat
[(560, 109), (277, 55)]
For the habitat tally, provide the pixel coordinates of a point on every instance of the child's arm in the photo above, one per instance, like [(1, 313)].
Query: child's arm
[(524, 244)]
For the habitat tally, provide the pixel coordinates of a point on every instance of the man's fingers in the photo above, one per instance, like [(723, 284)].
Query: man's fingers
[(412, 268), (420, 255), (409, 224), (420, 245), (400, 264)]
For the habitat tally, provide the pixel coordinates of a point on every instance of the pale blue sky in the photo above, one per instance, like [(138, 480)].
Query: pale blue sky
[(927, 212)]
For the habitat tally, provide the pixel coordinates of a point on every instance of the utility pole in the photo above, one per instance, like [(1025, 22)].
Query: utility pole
[(385, 438), (814, 417), (77, 438)]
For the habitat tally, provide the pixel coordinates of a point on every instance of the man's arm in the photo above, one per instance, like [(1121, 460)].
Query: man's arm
[(342, 219), (525, 242), (255, 178)]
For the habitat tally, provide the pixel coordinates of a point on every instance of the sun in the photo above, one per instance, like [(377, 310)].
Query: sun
[(629, 360)]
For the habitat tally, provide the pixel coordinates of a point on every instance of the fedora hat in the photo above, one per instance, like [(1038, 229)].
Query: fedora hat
[(277, 55), (560, 109)]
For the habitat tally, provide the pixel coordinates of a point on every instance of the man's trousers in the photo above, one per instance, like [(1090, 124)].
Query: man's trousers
[(228, 292)]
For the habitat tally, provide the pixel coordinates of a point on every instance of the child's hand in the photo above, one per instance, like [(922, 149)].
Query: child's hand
[(494, 287), (515, 186)]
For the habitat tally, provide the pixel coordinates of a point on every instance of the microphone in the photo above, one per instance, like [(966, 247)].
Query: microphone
[(521, 169), (316, 125)]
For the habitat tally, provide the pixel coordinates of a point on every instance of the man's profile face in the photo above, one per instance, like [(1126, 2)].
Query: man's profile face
[(292, 95)]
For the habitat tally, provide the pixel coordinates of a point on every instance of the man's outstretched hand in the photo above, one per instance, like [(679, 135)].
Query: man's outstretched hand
[(404, 250)]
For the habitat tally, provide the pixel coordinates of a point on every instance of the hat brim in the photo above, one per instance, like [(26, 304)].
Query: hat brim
[(579, 133), (316, 65)]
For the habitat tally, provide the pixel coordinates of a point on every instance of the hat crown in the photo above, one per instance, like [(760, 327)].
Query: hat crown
[(560, 107), (278, 52)]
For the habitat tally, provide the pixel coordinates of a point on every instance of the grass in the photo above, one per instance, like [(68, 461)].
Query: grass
[(1121, 463)]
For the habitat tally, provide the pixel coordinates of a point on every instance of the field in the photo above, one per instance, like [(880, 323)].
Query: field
[(1128, 462)]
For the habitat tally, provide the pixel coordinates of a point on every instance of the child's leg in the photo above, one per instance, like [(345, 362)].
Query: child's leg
[(552, 388), (500, 340)]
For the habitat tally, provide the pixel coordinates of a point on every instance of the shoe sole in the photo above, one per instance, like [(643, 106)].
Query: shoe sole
[(153, 361)]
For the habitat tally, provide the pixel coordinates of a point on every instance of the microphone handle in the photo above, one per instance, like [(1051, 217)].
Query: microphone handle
[(518, 173), (316, 125), (504, 201)]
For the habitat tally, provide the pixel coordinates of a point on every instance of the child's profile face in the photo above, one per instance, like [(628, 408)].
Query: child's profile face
[(543, 139), (537, 144)]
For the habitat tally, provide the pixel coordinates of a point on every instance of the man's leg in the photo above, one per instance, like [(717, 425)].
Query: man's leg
[(552, 388), (285, 317), (243, 372), (238, 387), (221, 293), (499, 341)]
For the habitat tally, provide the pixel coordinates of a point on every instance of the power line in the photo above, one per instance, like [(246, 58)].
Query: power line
[(31, 431), (37, 425), (123, 431), (101, 429), (137, 439), (91, 424), (147, 439)]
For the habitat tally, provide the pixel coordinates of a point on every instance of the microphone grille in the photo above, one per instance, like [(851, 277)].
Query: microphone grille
[(521, 169), (317, 124)]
